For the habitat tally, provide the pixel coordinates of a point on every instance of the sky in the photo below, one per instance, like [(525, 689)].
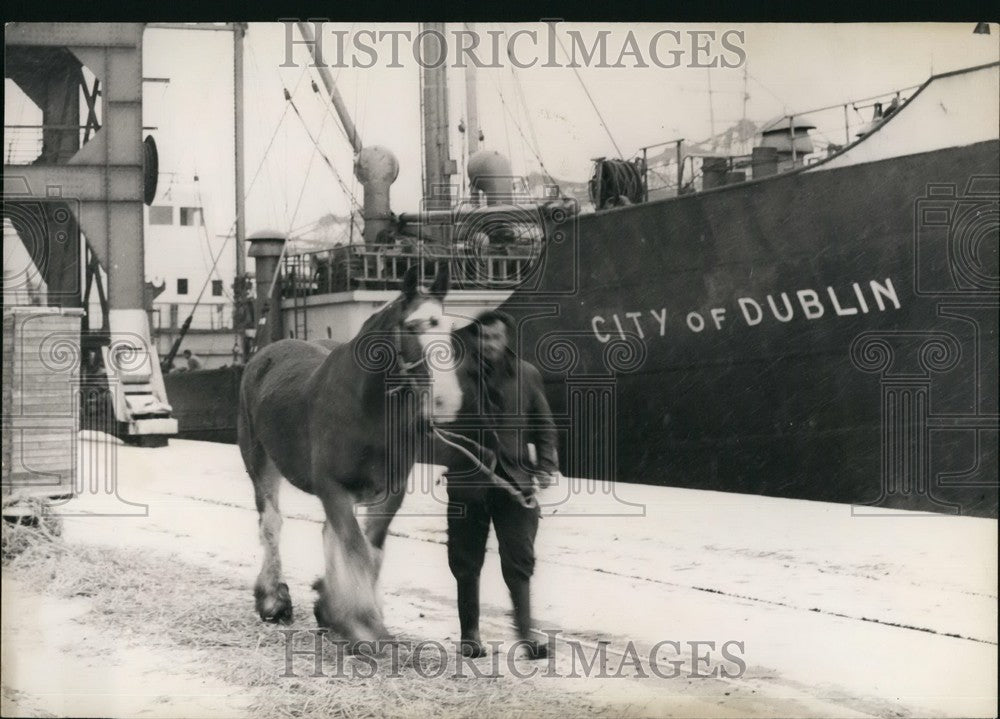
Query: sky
[(789, 68)]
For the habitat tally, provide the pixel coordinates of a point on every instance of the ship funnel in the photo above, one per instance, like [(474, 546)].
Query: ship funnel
[(790, 137), (376, 169), (490, 173), (266, 249), (764, 161), (713, 172)]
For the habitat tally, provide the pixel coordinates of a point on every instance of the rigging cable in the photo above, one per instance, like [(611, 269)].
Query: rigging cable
[(199, 201), (517, 126), (305, 180), (537, 148), (326, 159), (246, 194), (354, 178), (270, 191), (773, 94), (206, 234), (218, 256), (423, 169), (589, 97), (326, 103)]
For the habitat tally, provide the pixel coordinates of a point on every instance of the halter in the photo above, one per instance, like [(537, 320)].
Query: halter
[(453, 440), (405, 368)]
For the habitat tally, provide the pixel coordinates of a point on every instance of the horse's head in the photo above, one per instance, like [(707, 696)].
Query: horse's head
[(425, 347)]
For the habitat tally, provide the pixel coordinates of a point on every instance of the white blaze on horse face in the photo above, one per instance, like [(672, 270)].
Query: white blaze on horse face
[(434, 330)]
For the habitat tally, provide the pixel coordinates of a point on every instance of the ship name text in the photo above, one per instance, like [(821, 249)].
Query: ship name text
[(784, 307)]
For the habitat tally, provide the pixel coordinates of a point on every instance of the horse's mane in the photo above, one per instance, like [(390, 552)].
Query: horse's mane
[(384, 319)]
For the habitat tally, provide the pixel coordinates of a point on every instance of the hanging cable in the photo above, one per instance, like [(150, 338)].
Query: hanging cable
[(271, 194), (305, 180), (232, 227), (589, 97), (326, 102), (517, 126), (200, 207), (537, 148), (205, 233), (353, 199), (771, 92), (218, 255)]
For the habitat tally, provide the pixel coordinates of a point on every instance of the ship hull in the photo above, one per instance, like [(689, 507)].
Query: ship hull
[(205, 402), (811, 335)]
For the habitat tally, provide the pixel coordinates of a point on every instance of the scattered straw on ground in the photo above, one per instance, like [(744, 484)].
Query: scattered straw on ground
[(158, 601)]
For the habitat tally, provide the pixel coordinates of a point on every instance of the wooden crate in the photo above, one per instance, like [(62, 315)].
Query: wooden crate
[(41, 419)]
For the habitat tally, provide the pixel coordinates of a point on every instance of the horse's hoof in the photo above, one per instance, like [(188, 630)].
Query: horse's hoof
[(362, 626), (365, 647), (534, 650), (472, 649), (282, 615), (276, 606), (323, 618)]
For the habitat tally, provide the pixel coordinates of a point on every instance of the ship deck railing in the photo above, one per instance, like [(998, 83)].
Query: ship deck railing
[(169, 316), (673, 166), (361, 267), (46, 144)]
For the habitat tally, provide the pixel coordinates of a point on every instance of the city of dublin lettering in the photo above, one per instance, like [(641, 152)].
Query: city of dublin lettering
[(782, 307)]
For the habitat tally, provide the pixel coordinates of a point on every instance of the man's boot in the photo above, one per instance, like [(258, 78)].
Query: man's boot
[(520, 593), (468, 618)]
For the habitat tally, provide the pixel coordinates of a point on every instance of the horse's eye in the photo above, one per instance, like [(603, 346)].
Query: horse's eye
[(434, 322)]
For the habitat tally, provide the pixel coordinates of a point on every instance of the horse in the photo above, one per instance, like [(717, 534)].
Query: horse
[(316, 414)]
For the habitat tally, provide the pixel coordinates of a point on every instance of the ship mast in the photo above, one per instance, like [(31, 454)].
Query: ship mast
[(711, 109), (239, 284), (472, 104), (438, 165)]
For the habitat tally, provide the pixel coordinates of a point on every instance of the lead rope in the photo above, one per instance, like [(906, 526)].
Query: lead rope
[(527, 502)]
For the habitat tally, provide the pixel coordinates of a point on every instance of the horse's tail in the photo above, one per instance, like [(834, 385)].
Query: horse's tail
[(246, 438), (244, 424)]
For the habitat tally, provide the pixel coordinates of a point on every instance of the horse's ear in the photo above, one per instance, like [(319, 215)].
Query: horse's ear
[(410, 282), (440, 287)]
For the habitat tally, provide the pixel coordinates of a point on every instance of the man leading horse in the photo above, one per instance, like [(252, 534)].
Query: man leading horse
[(504, 410), (317, 414)]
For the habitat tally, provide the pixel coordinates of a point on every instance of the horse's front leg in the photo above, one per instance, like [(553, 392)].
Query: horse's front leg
[(379, 515), (347, 600)]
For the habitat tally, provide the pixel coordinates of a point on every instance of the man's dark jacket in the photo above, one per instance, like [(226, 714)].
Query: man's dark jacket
[(504, 409)]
